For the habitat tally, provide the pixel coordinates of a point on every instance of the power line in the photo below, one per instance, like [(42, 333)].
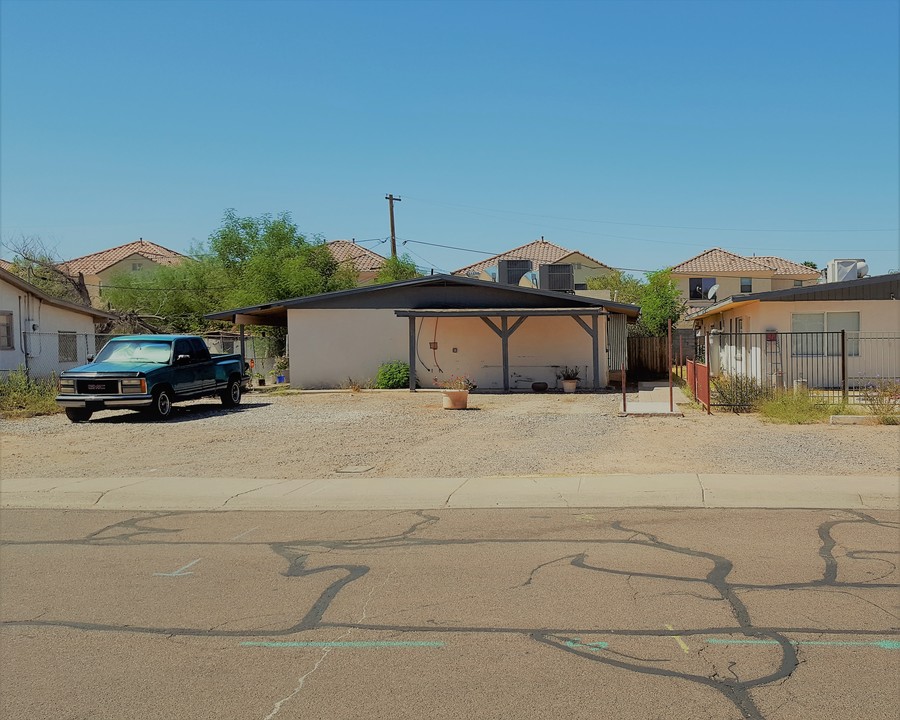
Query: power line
[(647, 225)]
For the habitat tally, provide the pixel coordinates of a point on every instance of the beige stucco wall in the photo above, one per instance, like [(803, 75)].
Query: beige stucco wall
[(329, 347), (584, 268), (105, 277), (40, 324), (876, 357)]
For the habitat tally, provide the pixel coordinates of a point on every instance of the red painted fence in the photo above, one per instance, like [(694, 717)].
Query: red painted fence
[(698, 382)]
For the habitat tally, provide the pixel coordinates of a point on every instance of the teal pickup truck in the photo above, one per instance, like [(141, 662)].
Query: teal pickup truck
[(149, 373)]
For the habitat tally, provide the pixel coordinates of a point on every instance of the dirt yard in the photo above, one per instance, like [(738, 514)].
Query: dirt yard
[(399, 434)]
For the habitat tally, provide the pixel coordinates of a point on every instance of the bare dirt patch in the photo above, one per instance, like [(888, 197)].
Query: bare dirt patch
[(401, 434)]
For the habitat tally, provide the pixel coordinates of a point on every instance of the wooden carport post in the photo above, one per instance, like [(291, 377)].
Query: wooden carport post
[(412, 354), (594, 332), (504, 331)]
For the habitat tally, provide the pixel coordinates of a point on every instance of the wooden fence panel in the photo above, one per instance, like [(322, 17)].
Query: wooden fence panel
[(648, 355)]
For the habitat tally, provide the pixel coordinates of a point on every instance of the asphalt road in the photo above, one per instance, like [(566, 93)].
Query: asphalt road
[(625, 613)]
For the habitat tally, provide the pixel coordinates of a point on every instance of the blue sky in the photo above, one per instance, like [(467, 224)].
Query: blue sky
[(638, 132)]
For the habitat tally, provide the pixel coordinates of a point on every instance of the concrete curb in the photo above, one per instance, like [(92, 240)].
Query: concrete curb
[(367, 493)]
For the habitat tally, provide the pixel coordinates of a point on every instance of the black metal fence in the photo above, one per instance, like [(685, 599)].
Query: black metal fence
[(831, 366)]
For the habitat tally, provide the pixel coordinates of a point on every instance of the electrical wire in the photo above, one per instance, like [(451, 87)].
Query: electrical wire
[(647, 225)]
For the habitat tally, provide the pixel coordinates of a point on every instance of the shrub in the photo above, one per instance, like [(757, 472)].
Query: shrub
[(738, 392), (882, 398), (798, 408), (392, 376), (23, 396)]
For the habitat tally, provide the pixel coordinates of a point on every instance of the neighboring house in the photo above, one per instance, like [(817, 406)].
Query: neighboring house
[(365, 262), (6, 265), (99, 268), (501, 336), (795, 334), (41, 333), (540, 252), (732, 274)]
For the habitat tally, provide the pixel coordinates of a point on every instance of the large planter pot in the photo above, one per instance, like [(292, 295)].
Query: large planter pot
[(539, 387), (569, 386), (455, 399)]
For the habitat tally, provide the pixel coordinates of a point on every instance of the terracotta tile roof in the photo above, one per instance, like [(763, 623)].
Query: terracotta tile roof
[(100, 261), (540, 252), (363, 259), (719, 260), (787, 267), (6, 265)]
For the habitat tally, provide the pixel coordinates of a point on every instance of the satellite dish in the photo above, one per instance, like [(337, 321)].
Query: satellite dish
[(529, 279), (712, 291), (862, 268), (489, 274)]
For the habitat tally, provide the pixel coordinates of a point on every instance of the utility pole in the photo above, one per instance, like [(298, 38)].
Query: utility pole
[(390, 199)]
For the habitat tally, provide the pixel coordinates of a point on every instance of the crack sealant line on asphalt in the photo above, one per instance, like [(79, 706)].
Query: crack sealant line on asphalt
[(447, 501)]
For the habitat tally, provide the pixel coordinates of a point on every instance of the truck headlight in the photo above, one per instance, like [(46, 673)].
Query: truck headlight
[(134, 386), (66, 386)]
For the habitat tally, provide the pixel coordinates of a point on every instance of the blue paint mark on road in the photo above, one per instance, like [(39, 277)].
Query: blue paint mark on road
[(883, 644), (359, 644)]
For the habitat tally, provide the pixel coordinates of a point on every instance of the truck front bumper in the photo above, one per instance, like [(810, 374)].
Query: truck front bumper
[(98, 402)]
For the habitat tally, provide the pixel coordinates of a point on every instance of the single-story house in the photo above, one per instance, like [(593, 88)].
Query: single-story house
[(502, 337), (41, 333), (796, 334)]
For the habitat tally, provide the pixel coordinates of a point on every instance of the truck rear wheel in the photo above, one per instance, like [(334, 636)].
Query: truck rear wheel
[(162, 404), (231, 396), (78, 415)]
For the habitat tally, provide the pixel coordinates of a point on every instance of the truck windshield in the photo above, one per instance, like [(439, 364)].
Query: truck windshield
[(136, 351)]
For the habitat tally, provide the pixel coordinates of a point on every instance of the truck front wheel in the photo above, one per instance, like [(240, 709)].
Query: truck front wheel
[(232, 394), (162, 404), (78, 415)]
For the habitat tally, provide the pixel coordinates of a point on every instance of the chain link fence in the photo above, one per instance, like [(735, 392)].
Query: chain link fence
[(48, 354)]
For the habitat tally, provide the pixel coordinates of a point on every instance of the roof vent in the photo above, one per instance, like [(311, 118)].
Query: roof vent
[(840, 270)]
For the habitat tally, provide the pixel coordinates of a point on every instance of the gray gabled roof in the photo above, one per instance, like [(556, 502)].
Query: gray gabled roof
[(410, 294)]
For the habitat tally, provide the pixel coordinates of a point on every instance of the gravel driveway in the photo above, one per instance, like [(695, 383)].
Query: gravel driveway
[(399, 434)]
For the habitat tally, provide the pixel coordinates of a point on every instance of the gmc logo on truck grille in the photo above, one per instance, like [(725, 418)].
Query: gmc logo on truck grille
[(103, 387)]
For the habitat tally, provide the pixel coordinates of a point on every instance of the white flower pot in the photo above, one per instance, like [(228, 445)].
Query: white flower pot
[(569, 386)]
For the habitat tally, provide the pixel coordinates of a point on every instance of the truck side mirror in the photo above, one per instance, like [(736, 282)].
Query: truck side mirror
[(90, 358), (182, 359)]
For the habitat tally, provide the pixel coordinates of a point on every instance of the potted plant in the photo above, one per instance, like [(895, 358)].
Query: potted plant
[(455, 392), (569, 377), (280, 368), (260, 379)]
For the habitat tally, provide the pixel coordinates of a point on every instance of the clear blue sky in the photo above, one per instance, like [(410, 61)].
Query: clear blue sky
[(638, 132)]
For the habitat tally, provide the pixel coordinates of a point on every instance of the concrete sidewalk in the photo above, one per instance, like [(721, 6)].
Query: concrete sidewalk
[(364, 493)]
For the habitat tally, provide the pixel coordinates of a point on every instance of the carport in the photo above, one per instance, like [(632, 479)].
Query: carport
[(505, 330)]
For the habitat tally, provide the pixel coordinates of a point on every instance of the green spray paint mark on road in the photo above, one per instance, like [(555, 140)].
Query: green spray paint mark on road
[(883, 644), (593, 647), (358, 644)]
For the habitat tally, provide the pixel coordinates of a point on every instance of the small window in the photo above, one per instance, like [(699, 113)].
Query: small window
[(6, 331), (68, 347), (746, 285), (137, 267), (798, 283)]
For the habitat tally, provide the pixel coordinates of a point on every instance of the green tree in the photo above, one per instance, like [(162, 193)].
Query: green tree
[(397, 268), (811, 264), (247, 261), (622, 288), (35, 263), (661, 302)]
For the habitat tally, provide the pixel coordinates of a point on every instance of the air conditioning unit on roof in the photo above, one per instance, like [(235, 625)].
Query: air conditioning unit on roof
[(511, 271), (559, 277)]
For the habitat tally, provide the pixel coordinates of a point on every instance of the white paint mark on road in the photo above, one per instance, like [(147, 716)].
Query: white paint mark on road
[(246, 532), (180, 571)]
